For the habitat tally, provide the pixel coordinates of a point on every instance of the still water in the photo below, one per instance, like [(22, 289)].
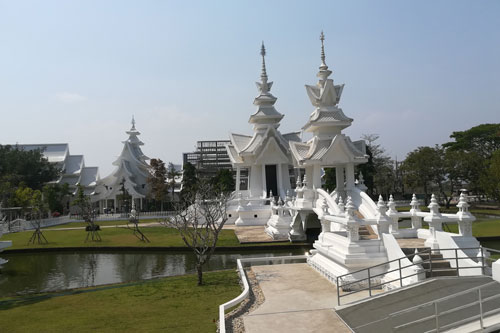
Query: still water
[(43, 272)]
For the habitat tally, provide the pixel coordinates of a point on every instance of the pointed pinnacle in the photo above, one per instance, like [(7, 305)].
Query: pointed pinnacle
[(322, 39), (263, 74)]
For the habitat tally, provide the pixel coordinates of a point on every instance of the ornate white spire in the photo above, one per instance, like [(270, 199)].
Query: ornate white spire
[(263, 85), (266, 113), (133, 123), (263, 74), (322, 39), (323, 73)]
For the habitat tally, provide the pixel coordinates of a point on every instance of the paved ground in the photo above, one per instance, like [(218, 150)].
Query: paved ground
[(371, 315), (297, 299), (411, 242), (253, 234)]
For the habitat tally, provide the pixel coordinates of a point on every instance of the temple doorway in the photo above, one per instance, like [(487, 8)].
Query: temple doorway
[(271, 180)]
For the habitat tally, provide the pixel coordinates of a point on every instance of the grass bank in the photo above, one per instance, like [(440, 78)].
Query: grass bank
[(160, 237), (174, 304), (101, 223)]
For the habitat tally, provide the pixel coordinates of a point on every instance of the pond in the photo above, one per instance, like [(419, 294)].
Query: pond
[(51, 271)]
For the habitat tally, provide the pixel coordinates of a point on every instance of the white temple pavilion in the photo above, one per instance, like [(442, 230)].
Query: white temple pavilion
[(356, 233), (264, 156), (132, 170)]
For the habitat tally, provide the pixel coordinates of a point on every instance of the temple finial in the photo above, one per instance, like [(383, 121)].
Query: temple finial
[(322, 39), (133, 122), (263, 75)]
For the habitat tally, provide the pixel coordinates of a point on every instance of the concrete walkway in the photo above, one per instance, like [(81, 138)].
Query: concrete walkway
[(297, 299), (372, 314)]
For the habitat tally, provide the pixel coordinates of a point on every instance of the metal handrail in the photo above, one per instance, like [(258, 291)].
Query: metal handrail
[(456, 258), (436, 314)]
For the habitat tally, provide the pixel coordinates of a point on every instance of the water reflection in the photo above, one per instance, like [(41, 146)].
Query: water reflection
[(43, 272)]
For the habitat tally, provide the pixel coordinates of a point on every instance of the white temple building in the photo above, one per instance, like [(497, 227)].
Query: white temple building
[(355, 232), (132, 170), (73, 169), (264, 158)]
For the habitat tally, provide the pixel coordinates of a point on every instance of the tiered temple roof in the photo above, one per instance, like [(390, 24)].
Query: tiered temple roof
[(326, 122), (132, 168), (265, 120), (74, 172)]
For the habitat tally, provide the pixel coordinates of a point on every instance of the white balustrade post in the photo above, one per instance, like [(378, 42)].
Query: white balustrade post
[(465, 218), (352, 224), (435, 221), (416, 221), (392, 213), (383, 220)]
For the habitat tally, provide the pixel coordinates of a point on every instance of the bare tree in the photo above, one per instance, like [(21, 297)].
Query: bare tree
[(87, 212), (199, 218)]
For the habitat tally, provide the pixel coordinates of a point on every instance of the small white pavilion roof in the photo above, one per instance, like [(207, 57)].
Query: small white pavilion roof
[(54, 152), (89, 176), (74, 164)]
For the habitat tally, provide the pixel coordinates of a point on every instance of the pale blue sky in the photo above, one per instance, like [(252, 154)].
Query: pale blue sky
[(76, 71)]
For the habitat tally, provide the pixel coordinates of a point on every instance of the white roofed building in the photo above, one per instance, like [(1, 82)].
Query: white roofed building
[(73, 169), (262, 161), (132, 170)]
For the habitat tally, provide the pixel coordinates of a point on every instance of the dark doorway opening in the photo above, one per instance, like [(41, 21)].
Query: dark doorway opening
[(312, 235), (271, 180)]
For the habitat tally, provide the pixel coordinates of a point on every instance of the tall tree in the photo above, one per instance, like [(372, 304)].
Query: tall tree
[(490, 180), (55, 195), (380, 169), (482, 139), (157, 181), (422, 167), (172, 175), (330, 179), (189, 180), (199, 220), (30, 167), (223, 181)]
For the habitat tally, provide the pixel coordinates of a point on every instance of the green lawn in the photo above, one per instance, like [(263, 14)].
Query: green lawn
[(454, 210), (174, 304), (101, 223), (118, 237)]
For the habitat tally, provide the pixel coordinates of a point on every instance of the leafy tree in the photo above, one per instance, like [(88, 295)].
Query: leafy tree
[(172, 174), (157, 181), (491, 178), (125, 198), (23, 197), (476, 147), (189, 180), (199, 220), (330, 179), (422, 168), (29, 167), (368, 171), (223, 181), (379, 172), (54, 195), (482, 139)]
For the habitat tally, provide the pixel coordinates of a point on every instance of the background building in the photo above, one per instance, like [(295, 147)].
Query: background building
[(209, 157)]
